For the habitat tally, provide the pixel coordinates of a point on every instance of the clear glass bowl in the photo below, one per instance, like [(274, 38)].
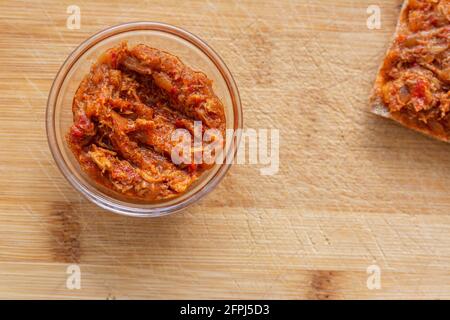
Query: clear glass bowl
[(192, 51)]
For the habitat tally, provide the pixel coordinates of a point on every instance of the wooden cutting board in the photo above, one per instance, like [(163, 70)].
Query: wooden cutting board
[(353, 190)]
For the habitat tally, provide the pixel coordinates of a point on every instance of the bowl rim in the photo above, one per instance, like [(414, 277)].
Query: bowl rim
[(98, 197)]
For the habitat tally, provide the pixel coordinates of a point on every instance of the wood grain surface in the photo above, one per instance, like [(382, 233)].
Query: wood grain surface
[(353, 190)]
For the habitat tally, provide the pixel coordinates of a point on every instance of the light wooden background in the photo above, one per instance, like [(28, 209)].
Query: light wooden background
[(353, 190)]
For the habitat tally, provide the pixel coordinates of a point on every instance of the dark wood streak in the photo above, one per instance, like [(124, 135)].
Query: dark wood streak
[(66, 230), (323, 285)]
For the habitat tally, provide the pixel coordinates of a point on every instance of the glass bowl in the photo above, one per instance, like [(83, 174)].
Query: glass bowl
[(193, 52)]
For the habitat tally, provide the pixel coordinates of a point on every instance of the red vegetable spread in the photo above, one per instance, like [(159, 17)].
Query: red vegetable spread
[(125, 112), (414, 80)]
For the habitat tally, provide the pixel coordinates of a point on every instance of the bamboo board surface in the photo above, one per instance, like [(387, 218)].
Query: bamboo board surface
[(353, 190)]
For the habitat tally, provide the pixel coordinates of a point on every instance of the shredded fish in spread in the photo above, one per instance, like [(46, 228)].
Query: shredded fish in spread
[(414, 79), (125, 112)]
